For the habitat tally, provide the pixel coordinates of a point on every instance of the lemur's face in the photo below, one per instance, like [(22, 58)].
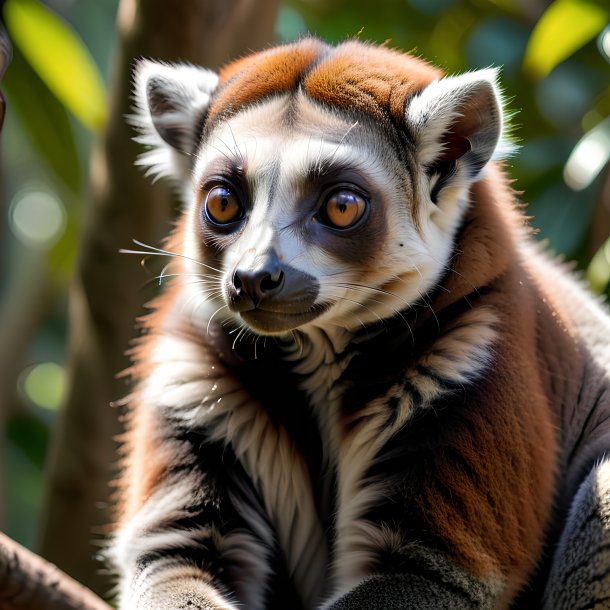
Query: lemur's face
[(315, 214), (311, 218)]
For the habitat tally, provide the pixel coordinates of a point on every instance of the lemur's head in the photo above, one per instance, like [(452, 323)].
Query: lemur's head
[(324, 185)]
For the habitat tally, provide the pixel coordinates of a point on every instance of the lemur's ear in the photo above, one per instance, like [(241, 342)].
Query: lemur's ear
[(171, 104), (457, 124)]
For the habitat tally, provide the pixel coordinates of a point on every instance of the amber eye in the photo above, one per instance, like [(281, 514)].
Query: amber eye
[(343, 209), (222, 206)]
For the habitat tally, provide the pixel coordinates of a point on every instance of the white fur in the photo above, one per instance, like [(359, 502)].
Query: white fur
[(166, 584), (191, 88), (432, 111), (186, 391), (315, 357), (136, 538)]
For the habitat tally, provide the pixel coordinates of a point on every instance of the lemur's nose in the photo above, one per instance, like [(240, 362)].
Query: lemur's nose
[(264, 277)]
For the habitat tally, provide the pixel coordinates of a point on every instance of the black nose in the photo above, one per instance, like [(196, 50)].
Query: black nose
[(263, 279)]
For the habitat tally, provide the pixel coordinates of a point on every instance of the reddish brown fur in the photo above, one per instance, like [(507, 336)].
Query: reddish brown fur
[(488, 487), (507, 441), (145, 459), (146, 465), (251, 79), (372, 80)]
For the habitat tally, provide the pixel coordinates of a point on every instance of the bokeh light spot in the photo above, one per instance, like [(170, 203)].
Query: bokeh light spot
[(603, 43), (44, 384), (589, 157), (37, 218)]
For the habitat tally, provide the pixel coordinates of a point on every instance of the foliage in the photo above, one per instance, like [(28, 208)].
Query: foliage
[(52, 81), (554, 73), (79, 88), (578, 22)]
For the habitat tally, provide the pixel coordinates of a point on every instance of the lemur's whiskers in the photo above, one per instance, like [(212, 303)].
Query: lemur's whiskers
[(154, 251)]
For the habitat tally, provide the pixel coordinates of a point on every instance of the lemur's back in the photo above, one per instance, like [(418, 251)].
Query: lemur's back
[(364, 386)]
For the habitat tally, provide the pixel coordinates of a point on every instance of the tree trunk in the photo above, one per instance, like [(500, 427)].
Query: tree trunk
[(107, 292)]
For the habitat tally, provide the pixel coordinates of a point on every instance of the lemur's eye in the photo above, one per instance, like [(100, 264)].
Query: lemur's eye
[(343, 209), (222, 206)]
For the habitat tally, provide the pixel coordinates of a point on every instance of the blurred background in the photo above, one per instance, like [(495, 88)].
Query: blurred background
[(555, 72)]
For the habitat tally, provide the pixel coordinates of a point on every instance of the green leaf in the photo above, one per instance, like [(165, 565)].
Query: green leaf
[(565, 27), (59, 57), (598, 271), (43, 119)]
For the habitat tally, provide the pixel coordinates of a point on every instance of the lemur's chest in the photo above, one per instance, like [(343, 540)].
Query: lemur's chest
[(313, 416), (318, 390), (299, 390), (307, 421)]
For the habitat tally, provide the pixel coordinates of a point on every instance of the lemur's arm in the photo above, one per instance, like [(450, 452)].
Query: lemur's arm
[(188, 538), (192, 529), (401, 591)]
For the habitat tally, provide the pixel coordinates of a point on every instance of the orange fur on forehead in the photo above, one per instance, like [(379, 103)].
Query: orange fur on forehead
[(358, 76), (257, 76), (373, 80)]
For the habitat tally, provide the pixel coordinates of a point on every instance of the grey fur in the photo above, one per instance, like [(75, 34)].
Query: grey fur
[(401, 591), (580, 573)]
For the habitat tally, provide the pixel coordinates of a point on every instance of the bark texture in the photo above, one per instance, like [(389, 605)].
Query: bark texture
[(109, 289), (27, 582)]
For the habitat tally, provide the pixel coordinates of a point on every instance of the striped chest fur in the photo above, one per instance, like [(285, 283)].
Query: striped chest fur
[(340, 401), (307, 419)]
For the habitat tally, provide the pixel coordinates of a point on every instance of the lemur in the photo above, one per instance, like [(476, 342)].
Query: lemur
[(364, 386)]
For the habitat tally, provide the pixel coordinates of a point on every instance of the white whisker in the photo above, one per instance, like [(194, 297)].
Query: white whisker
[(212, 317), (154, 251), (242, 333)]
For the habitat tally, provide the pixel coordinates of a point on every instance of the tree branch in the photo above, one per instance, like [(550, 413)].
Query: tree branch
[(28, 582)]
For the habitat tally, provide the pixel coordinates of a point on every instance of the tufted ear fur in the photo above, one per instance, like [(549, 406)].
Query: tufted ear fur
[(171, 105), (457, 124)]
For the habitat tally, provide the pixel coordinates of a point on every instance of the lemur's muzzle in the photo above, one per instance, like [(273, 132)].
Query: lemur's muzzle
[(271, 296)]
